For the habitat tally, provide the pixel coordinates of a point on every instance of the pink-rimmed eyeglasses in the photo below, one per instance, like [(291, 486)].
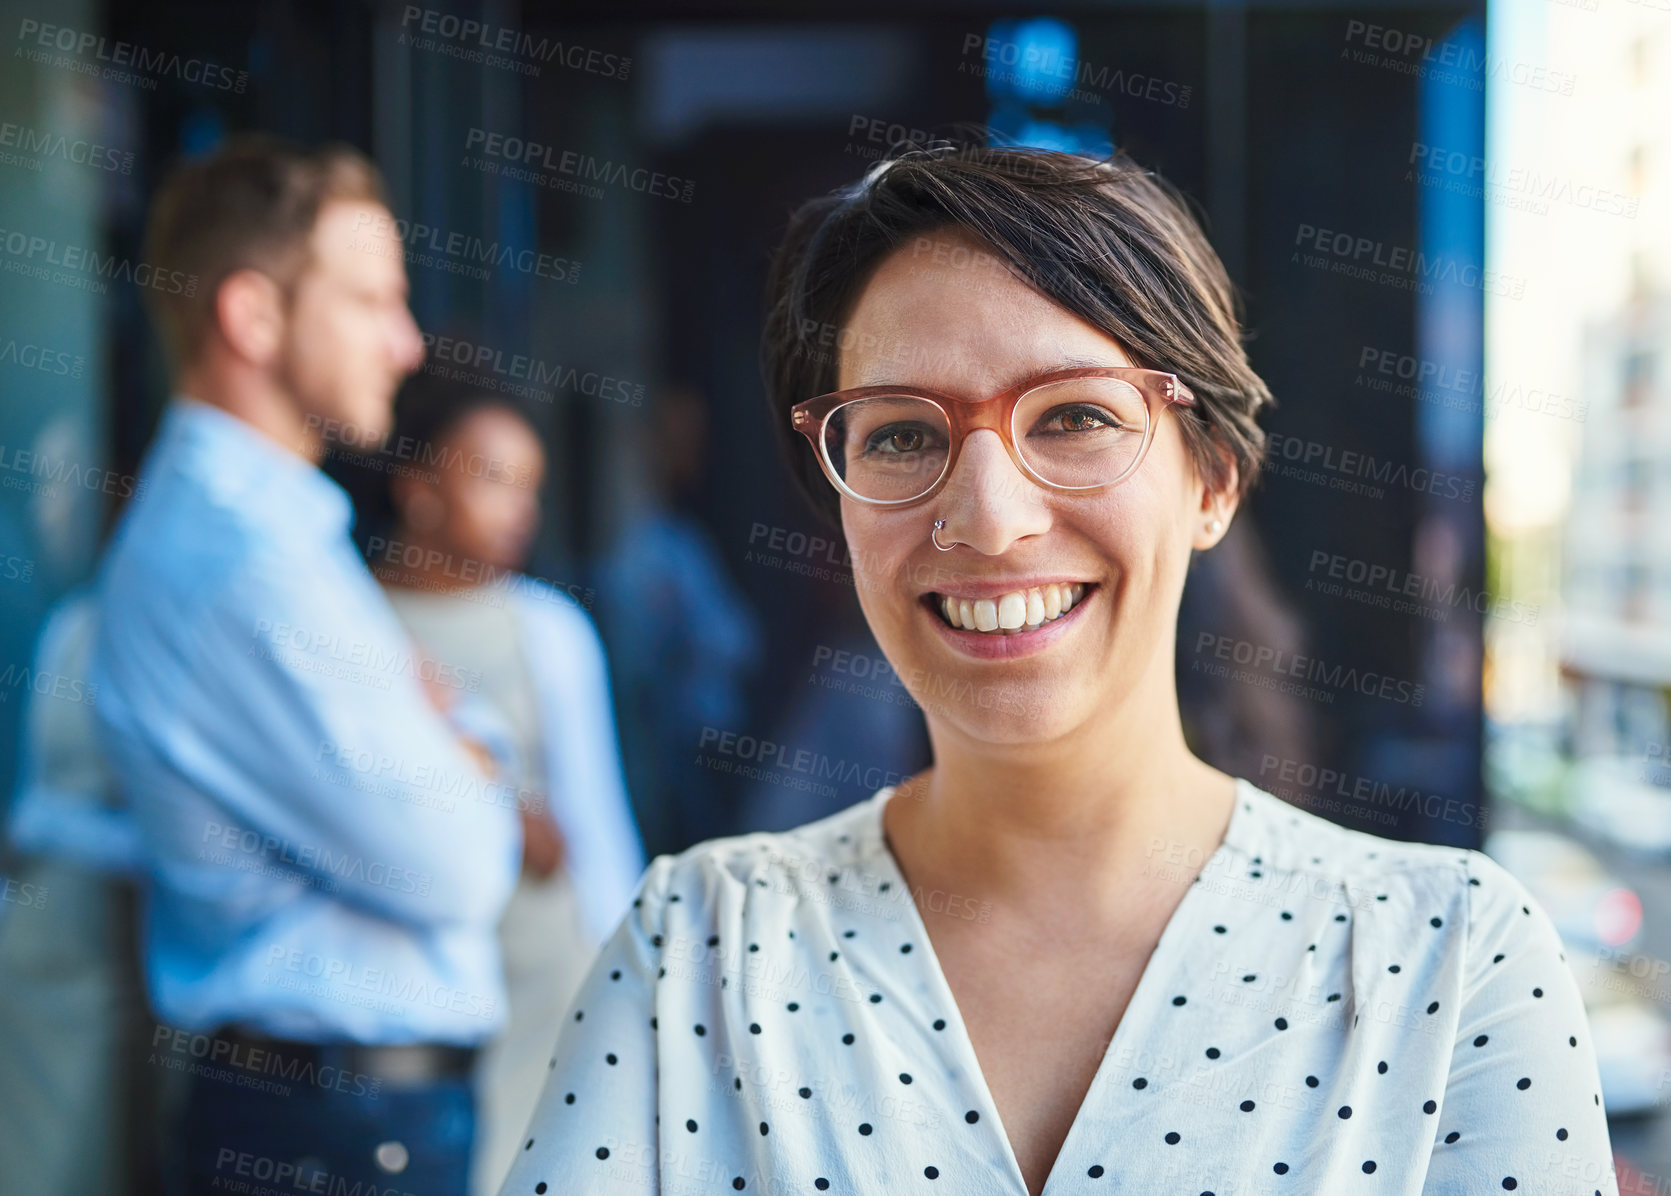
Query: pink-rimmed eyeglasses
[(1073, 431)]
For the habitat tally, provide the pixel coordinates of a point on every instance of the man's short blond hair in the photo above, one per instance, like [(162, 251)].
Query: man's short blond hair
[(251, 204)]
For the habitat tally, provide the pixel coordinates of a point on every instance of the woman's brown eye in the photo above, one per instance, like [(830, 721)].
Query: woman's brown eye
[(908, 441)]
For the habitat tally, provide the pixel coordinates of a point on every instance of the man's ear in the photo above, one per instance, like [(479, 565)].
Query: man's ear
[(250, 313)]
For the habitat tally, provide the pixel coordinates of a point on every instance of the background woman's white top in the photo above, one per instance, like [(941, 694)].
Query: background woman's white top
[(482, 639), (1326, 1012), (532, 655)]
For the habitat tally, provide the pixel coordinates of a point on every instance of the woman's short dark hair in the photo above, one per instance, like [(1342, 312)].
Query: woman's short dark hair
[(1112, 243)]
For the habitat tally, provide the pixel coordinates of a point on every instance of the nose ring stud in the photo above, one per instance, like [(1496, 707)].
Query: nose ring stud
[(935, 536)]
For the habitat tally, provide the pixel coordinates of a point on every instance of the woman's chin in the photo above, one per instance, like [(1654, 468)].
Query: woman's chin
[(996, 712), (500, 560)]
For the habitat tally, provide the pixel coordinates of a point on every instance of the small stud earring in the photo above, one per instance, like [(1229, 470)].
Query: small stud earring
[(1215, 525)]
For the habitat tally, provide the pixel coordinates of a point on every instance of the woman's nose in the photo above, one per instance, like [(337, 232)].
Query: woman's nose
[(987, 502)]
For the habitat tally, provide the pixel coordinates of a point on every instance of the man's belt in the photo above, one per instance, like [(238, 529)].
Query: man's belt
[(402, 1065)]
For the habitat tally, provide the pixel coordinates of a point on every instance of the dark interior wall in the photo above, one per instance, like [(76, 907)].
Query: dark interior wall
[(1325, 143), (1283, 128), (305, 74)]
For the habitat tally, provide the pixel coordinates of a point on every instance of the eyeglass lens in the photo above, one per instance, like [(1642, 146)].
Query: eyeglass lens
[(1079, 432)]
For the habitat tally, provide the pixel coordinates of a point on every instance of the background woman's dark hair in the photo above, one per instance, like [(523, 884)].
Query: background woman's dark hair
[(1112, 243), (428, 410)]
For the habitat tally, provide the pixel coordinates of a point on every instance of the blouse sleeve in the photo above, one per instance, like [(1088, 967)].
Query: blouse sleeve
[(593, 1132), (1522, 1104), (588, 787)]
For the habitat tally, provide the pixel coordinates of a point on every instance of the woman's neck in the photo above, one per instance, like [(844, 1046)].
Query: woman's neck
[(433, 568), (1085, 823)]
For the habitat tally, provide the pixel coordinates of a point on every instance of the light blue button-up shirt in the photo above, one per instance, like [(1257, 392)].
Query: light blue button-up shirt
[(327, 861)]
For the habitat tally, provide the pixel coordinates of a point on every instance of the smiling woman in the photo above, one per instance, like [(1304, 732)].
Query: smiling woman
[(1069, 956)]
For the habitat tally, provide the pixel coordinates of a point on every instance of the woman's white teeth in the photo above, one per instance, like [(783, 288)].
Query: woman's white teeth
[(1019, 610)]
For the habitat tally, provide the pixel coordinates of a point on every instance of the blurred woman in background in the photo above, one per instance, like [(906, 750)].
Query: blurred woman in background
[(464, 503)]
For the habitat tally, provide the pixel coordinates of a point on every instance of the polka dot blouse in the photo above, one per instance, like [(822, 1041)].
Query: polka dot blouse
[(1326, 1012)]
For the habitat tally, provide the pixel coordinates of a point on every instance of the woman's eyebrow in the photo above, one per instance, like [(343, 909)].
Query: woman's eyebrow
[(881, 378)]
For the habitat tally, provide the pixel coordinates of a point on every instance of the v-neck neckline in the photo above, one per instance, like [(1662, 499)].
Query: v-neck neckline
[(1141, 994)]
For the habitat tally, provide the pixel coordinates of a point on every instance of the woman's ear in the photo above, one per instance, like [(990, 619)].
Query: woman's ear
[(1220, 496)]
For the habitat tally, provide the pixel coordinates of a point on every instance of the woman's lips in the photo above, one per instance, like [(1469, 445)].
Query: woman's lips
[(1012, 613), (1012, 644)]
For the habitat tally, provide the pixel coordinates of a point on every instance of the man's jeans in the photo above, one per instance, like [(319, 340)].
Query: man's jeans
[(304, 1137)]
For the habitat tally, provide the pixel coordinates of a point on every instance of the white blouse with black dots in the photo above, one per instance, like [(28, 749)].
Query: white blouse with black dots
[(1327, 1012)]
